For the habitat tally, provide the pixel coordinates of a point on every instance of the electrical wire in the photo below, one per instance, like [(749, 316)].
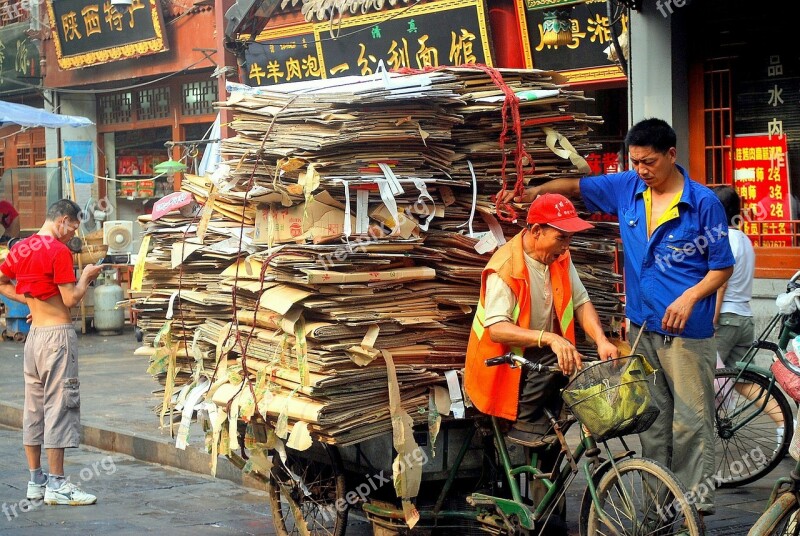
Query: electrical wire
[(109, 179), (110, 90)]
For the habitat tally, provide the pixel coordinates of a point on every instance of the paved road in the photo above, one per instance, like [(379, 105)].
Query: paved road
[(122, 436)]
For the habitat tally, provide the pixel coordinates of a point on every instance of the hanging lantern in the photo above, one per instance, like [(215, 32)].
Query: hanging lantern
[(557, 27)]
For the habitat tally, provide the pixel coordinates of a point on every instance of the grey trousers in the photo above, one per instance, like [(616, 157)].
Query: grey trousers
[(682, 437), (734, 336)]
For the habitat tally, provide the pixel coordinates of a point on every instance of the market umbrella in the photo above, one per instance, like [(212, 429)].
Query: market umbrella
[(28, 116)]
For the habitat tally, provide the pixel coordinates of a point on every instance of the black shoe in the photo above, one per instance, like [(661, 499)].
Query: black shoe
[(533, 435)]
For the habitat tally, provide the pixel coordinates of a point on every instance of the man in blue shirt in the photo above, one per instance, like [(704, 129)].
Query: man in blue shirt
[(674, 236)]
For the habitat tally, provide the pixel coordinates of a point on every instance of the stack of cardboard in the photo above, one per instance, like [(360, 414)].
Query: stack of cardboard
[(340, 251)]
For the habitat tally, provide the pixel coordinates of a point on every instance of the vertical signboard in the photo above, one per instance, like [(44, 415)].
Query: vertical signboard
[(19, 59), (761, 178)]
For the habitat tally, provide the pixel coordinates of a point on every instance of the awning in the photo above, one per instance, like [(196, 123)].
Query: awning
[(28, 116)]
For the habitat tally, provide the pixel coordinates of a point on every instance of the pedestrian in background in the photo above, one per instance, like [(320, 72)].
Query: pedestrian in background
[(733, 318), (677, 255), (45, 279)]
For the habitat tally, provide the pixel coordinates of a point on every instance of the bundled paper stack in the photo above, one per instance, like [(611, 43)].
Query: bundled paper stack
[(339, 256)]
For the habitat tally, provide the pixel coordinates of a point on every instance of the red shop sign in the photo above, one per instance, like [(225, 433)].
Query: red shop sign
[(761, 178)]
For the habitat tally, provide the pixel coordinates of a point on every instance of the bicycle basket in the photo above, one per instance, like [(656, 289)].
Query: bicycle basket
[(612, 398)]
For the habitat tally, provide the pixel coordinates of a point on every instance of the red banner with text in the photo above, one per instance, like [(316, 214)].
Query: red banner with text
[(761, 178)]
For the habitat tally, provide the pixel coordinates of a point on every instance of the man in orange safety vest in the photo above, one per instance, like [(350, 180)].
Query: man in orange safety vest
[(530, 298)]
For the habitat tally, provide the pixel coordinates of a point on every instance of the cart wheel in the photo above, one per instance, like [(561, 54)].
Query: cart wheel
[(19, 336), (308, 490), (5, 336)]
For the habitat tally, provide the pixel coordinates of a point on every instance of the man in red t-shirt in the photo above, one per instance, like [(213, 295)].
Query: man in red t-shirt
[(9, 221), (42, 267)]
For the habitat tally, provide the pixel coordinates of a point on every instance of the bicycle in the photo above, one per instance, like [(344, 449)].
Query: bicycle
[(782, 514), (753, 416), (624, 495)]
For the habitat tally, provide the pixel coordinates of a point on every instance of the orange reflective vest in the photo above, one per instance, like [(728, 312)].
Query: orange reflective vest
[(495, 390)]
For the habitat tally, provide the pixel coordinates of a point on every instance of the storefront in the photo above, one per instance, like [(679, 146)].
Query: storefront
[(498, 33), (136, 129), (144, 71), (745, 122), (22, 183)]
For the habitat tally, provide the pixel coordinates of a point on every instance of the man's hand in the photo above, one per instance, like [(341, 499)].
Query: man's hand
[(527, 196), (677, 314), (569, 359), (90, 272), (606, 350)]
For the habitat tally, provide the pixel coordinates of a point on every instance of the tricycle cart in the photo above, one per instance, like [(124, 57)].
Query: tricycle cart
[(475, 480)]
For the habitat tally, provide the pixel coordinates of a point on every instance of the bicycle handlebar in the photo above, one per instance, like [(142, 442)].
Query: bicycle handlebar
[(774, 348), (518, 361)]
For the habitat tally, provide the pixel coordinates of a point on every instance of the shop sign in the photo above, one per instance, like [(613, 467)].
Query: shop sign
[(91, 32), (19, 59), (452, 32), (584, 59), (13, 11), (603, 163), (545, 4), (761, 178)]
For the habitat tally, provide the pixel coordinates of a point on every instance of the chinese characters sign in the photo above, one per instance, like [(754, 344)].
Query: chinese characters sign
[(426, 35), (584, 59), (761, 178), (603, 163), (89, 32), (19, 59), (12, 11)]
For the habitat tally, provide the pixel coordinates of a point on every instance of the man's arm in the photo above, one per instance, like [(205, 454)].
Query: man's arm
[(718, 305), (8, 289), (587, 317), (508, 333), (678, 312), (73, 293), (567, 187)]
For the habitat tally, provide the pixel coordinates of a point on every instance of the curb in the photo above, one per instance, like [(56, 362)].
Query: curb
[(146, 449)]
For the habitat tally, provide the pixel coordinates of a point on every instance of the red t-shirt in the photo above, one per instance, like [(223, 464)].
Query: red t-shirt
[(39, 264)]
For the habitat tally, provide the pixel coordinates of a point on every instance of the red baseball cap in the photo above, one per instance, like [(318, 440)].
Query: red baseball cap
[(557, 211)]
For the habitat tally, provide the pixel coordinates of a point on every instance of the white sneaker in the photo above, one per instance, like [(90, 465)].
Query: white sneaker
[(35, 491), (69, 494)]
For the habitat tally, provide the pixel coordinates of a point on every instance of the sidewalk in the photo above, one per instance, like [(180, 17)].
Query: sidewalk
[(133, 498), (117, 416)]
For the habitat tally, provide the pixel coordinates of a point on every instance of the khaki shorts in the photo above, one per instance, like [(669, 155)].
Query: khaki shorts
[(52, 411)]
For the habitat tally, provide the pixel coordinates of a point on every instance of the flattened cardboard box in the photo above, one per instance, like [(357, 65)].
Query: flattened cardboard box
[(321, 218)]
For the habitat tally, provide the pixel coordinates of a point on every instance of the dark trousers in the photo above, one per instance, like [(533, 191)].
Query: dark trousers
[(538, 390)]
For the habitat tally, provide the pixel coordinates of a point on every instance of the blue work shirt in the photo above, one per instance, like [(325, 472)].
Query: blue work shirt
[(677, 256)]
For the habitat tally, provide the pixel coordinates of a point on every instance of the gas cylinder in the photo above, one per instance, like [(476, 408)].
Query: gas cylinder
[(108, 320)]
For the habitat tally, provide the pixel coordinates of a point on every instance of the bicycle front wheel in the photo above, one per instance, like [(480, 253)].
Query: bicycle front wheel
[(640, 496), (781, 518), (753, 426)]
